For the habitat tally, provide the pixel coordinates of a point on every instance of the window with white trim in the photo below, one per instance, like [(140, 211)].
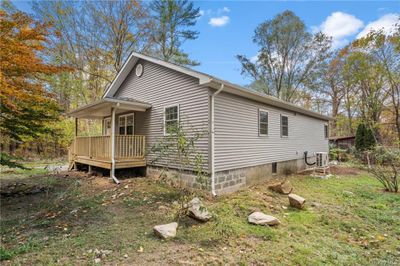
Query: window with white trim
[(171, 119), (284, 126), (326, 131), (262, 122), (126, 124)]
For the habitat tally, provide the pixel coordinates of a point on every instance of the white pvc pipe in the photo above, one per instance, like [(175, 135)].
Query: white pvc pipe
[(112, 173), (213, 140)]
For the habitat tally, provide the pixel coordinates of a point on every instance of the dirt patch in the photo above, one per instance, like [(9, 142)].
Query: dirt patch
[(20, 189), (340, 170)]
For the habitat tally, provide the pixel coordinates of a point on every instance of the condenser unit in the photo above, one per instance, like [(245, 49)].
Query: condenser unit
[(322, 159)]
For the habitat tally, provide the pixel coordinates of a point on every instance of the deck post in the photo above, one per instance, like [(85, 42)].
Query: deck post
[(112, 170), (76, 135)]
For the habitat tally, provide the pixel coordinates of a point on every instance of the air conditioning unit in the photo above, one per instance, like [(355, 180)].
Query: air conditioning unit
[(322, 159)]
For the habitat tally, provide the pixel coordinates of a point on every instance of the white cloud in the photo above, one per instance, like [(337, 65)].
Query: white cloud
[(201, 13), (385, 23), (226, 9), (219, 21), (339, 26)]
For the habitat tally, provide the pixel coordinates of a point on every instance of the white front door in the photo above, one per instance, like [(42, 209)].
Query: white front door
[(107, 127)]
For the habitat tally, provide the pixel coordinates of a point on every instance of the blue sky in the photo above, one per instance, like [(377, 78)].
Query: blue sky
[(226, 27)]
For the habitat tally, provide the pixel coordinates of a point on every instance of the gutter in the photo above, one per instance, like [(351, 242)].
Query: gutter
[(213, 139)]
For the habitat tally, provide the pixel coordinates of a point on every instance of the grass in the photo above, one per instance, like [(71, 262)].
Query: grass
[(348, 220)]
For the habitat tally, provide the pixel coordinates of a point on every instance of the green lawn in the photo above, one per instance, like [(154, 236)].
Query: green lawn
[(348, 220)]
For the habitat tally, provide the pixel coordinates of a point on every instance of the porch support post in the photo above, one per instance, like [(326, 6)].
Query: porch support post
[(76, 135), (112, 170)]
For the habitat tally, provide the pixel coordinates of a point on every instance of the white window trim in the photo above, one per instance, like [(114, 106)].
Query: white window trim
[(169, 106), (280, 123), (133, 125), (105, 125), (259, 133)]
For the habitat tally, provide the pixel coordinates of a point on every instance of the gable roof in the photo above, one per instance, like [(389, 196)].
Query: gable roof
[(208, 80)]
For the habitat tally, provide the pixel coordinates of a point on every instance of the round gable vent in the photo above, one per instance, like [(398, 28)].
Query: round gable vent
[(139, 70)]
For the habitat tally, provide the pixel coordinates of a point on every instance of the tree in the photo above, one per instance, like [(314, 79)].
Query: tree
[(365, 139), (173, 18), (26, 107), (385, 49), (364, 73), (332, 91), (288, 59)]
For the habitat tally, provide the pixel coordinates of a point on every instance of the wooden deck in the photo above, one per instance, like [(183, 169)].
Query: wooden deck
[(96, 151)]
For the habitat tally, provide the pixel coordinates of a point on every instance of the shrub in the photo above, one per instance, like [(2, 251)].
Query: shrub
[(365, 139), (384, 164), (338, 154)]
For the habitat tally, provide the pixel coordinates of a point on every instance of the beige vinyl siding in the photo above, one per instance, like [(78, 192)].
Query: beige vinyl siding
[(238, 144), (161, 87)]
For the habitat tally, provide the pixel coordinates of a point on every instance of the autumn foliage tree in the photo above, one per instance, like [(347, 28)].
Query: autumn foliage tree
[(27, 108)]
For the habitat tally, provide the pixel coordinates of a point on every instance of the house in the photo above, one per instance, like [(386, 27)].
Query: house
[(343, 142), (249, 136)]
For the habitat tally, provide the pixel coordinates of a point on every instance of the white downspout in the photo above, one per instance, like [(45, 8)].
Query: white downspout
[(112, 171), (213, 140)]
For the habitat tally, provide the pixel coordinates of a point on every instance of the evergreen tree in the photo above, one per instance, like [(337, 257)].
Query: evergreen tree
[(360, 135), (365, 139), (173, 18)]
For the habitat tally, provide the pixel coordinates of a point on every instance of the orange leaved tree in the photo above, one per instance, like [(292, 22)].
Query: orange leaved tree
[(26, 106)]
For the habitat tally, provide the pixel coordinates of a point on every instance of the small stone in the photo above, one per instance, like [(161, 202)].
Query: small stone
[(260, 218), (106, 252), (166, 230), (97, 260), (126, 256), (296, 201), (348, 193), (126, 186), (198, 211), (162, 207), (140, 250), (284, 207)]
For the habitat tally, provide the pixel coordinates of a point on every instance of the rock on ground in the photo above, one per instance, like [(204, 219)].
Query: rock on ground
[(296, 201), (260, 218), (166, 230), (281, 187), (198, 211)]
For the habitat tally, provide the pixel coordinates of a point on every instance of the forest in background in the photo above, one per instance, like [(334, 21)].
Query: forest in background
[(65, 54)]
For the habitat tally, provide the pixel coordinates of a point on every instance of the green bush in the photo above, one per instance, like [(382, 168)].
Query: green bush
[(365, 139), (338, 154), (384, 164)]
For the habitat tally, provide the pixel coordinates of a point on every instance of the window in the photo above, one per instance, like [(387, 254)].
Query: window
[(126, 124), (284, 126), (262, 122), (326, 131), (171, 119)]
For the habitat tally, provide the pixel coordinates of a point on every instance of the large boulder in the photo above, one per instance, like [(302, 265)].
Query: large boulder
[(166, 230), (260, 218), (296, 201), (197, 211), (283, 187)]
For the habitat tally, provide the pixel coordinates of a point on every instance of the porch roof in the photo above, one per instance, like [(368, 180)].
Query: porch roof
[(102, 108)]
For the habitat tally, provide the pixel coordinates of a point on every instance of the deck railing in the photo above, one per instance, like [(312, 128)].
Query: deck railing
[(126, 147)]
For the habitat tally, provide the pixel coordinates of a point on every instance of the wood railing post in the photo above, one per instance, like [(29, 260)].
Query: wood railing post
[(90, 147)]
